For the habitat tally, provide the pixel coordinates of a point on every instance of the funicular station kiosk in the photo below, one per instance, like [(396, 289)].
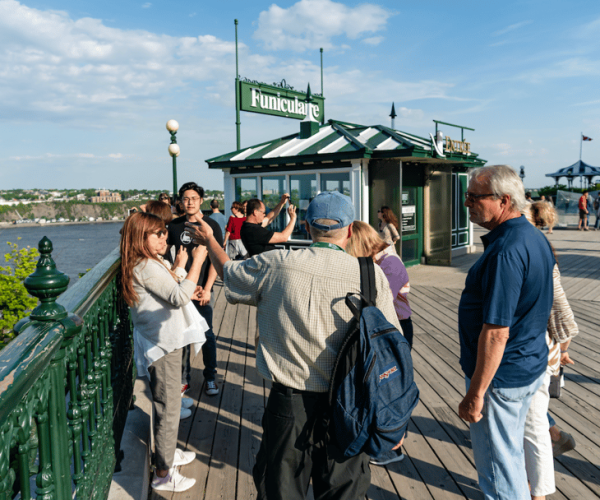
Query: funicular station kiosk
[(422, 180)]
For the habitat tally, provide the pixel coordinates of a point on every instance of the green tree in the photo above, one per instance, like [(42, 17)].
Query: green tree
[(15, 301)]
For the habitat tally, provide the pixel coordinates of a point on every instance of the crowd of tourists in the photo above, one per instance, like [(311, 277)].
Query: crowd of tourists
[(514, 324)]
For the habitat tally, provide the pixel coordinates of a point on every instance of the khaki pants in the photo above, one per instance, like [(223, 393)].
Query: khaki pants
[(165, 384)]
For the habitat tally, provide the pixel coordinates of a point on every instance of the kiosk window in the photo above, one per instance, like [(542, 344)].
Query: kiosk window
[(303, 188), (336, 182), (245, 188)]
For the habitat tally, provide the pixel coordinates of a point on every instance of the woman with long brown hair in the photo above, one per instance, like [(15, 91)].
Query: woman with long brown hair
[(388, 225), (163, 325)]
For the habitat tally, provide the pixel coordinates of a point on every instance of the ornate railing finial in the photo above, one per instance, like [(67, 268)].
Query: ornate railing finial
[(47, 283)]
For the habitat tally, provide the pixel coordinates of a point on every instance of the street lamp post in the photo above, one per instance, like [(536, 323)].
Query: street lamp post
[(173, 127)]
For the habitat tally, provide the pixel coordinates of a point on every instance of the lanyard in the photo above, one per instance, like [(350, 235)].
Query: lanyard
[(323, 244)]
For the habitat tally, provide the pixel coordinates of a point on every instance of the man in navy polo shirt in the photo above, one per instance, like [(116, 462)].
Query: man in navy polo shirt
[(502, 318)]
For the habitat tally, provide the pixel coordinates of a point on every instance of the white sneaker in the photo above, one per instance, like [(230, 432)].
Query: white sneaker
[(187, 402), (397, 458), (173, 481), (183, 457), (211, 388), (185, 413)]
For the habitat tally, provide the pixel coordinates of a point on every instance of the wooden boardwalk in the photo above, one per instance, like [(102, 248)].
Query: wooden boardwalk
[(225, 430)]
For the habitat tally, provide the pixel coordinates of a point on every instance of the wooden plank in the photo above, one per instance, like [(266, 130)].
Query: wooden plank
[(202, 431), (223, 472), (405, 479), (382, 487), (440, 484), (253, 407), (461, 470)]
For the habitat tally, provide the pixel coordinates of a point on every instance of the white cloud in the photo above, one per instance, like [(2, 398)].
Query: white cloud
[(568, 68), (53, 67), (310, 24), (374, 40), (147, 5), (502, 149), (48, 156), (589, 30), (512, 27)]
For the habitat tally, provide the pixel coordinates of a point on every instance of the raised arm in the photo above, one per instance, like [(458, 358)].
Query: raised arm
[(275, 212), (284, 235)]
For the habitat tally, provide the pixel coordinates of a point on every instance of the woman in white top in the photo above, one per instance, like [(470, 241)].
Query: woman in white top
[(163, 325), (388, 225)]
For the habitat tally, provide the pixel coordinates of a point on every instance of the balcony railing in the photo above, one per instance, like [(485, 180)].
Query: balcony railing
[(66, 384)]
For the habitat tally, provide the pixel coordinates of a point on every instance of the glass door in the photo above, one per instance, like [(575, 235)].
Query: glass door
[(412, 223)]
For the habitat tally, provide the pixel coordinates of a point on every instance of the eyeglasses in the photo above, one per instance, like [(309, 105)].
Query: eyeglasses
[(160, 232), (473, 197), (195, 199), (163, 198)]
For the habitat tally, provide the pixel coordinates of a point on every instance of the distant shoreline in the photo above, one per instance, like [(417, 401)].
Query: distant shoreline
[(10, 225)]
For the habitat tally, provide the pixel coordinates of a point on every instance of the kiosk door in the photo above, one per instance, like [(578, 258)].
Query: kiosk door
[(411, 219), (384, 190), (438, 227)]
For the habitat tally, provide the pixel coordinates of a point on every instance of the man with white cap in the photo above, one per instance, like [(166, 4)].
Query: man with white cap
[(302, 320)]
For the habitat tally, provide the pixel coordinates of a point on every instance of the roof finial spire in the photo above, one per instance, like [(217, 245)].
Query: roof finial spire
[(309, 97), (309, 126), (393, 115)]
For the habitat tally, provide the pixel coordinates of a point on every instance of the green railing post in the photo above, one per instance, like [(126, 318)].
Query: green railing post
[(47, 283), (66, 385)]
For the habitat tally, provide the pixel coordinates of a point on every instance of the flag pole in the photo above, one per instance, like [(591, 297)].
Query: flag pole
[(580, 144), (322, 94)]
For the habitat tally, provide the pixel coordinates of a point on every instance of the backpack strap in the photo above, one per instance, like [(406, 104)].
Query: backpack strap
[(368, 288)]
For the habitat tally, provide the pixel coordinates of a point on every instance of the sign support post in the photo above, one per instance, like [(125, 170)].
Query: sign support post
[(237, 92)]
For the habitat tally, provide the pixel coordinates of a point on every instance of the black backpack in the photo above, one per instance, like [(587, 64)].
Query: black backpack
[(372, 392)]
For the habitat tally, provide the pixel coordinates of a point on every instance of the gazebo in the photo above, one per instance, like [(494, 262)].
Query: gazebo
[(578, 169)]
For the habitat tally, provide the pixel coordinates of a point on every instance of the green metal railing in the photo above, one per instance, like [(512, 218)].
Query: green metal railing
[(66, 384)]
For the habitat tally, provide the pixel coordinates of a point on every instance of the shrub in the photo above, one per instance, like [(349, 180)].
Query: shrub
[(15, 301)]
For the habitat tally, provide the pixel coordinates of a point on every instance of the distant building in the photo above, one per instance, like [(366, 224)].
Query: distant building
[(103, 196)]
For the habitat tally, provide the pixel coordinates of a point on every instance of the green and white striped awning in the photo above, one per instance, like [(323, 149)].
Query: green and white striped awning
[(337, 141)]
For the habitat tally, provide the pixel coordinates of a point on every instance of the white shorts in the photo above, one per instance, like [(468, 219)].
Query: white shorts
[(537, 444)]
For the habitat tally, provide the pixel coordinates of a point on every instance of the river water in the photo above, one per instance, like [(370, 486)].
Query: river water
[(77, 247)]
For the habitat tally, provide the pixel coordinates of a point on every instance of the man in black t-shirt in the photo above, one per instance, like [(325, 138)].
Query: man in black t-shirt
[(258, 239), (192, 196)]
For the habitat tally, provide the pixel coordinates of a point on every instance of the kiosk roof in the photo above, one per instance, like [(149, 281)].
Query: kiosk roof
[(335, 141)]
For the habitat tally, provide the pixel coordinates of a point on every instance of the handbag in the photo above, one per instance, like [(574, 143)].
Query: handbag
[(556, 382)]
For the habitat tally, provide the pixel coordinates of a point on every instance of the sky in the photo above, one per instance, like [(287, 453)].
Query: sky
[(86, 87)]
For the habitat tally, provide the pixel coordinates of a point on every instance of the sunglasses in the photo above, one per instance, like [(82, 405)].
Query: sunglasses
[(473, 197)]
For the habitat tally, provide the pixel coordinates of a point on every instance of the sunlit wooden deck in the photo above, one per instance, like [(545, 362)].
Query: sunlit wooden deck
[(225, 430)]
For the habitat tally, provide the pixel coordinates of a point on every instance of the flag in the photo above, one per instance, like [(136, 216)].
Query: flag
[(585, 138)]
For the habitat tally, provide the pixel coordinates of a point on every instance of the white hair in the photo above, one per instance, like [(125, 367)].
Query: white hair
[(502, 180)]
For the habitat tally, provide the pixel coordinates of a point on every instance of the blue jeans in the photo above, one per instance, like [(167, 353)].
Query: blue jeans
[(209, 349), (497, 441)]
